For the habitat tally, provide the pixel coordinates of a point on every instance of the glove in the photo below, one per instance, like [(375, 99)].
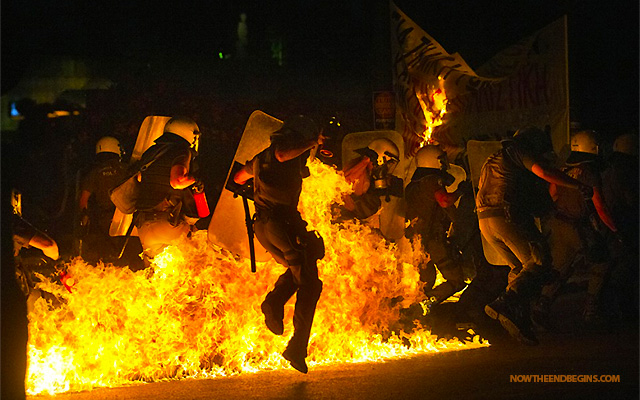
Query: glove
[(587, 191), (618, 237), (446, 179), (198, 186), (465, 187)]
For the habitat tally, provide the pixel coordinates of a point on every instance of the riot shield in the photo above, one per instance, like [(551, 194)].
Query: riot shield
[(227, 228), (152, 128)]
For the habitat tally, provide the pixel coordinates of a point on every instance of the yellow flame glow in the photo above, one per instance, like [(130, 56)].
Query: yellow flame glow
[(196, 311), (434, 107)]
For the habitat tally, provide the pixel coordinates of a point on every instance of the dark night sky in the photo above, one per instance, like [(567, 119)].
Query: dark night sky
[(603, 35)]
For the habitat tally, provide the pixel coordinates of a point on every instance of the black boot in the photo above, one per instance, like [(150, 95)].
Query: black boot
[(295, 355), (514, 315), (273, 317), (273, 305), (540, 312), (306, 300)]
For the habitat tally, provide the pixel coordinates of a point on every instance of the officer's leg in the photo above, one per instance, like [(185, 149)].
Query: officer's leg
[(564, 245), (269, 233), (307, 298), (526, 242), (512, 308), (599, 259), (427, 269), (450, 270), (157, 234), (491, 229)]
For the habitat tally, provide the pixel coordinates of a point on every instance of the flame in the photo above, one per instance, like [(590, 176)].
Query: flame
[(434, 107), (196, 311)]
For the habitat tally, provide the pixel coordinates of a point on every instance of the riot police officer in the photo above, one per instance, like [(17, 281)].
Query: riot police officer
[(166, 209), (577, 226), (96, 208), (277, 173), (430, 211), (510, 197)]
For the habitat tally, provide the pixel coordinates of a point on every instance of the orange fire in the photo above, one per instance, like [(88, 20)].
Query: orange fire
[(196, 311), (434, 107)]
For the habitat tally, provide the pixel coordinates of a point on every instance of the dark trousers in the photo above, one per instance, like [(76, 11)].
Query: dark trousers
[(450, 269), (278, 236)]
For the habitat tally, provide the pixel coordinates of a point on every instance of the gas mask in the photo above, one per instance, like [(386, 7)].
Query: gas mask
[(382, 171), (384, 156)]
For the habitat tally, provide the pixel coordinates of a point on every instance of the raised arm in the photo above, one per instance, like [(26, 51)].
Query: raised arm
[(286, 151)]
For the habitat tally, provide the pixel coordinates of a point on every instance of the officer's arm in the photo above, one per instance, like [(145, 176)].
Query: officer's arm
[(553, 191), (285, 151), (446, 199), (43, 242), (602, 210), (242, 176), (83, 203), (555, 176), (180, 178)]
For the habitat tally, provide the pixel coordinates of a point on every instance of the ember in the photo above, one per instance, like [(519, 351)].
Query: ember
[(196, 311)]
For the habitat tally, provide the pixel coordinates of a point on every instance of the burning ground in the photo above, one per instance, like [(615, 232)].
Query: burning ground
[(196, 312)]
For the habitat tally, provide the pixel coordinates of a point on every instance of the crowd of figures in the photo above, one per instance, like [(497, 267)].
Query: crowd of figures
[(514, 241)]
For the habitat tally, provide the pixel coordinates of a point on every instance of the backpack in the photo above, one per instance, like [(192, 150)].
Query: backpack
[(125, 194)]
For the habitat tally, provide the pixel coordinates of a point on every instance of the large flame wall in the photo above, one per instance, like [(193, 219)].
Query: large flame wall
[(196, 312)]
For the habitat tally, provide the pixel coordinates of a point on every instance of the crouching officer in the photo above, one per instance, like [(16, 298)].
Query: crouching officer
[(96, 208), (166, 210), (511, 194), (577, 226), (277, 173), (430, 209)]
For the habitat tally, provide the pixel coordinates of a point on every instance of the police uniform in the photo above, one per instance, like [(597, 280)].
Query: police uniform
[(107, 172), (432, 224), (164, 214), (570, 229), (620, 187), (282, 232)]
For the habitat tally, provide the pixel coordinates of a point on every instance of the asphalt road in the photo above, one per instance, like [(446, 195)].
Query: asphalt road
[(472, 374)]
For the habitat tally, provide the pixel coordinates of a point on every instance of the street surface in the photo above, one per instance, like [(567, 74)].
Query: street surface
[(472, 374)]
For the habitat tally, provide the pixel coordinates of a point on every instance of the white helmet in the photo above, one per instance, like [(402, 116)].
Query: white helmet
[(108, 144), (186, 128), (584, 142), (431, 156), (627, 144), (387, 152)]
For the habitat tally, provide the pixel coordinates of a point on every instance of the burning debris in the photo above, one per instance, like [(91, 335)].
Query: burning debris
[(434, 107), (196, 311)]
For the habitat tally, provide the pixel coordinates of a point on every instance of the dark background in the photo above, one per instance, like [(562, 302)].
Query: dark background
[(164, 59), (346, 38)]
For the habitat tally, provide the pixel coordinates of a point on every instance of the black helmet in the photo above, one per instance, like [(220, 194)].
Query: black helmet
[(333, 128), (533, 139), (298, 128)]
